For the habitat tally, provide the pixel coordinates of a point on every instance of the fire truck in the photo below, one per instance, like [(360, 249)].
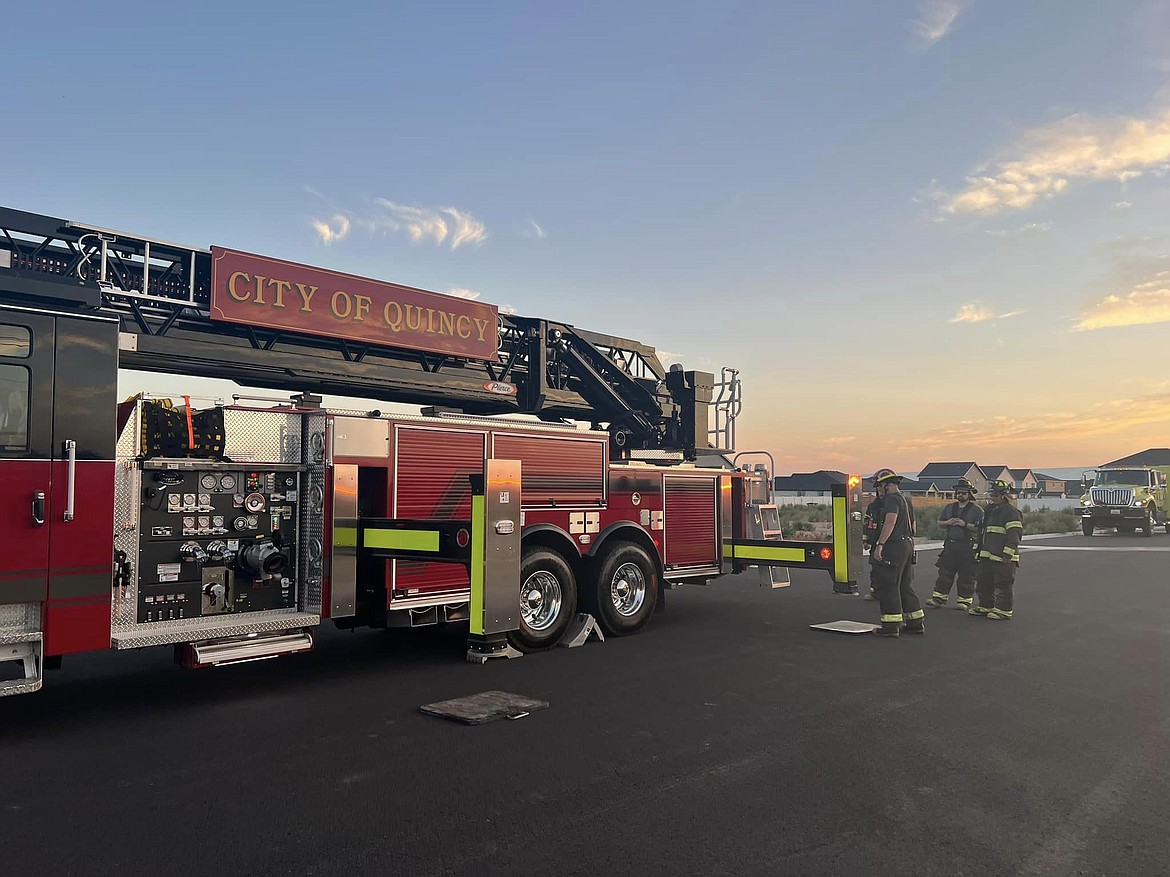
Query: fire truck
[(551, 483)]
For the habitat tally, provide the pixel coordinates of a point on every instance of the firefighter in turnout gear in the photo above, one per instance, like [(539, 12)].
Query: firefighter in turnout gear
[(960, 522), (870, 528), (891, 568), (999, 554)]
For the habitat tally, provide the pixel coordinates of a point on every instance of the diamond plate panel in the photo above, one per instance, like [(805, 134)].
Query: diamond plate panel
[(199, 629), (127, 480), (262, 436), (17, 618)]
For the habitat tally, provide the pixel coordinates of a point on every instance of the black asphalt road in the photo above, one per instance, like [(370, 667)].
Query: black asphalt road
[(728, 738)]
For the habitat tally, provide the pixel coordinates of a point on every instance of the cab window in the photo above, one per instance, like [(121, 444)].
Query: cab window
[(15, 343)]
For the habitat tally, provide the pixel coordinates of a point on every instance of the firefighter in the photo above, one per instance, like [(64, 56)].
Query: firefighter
[(891, 563), (960, 523), (999, 554), (870, 528)]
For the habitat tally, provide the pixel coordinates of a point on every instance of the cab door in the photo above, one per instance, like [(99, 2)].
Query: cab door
[(27, 342)]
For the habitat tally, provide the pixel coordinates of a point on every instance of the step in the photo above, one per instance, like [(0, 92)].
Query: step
[(28, 650), (238, 651)]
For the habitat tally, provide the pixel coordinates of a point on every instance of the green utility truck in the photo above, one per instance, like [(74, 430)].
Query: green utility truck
[(1126, 498)]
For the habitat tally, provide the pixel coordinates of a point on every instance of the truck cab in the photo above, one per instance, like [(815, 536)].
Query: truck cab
[(1127, 499)]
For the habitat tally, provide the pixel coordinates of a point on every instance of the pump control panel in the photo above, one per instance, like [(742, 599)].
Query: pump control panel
[(216, 538)]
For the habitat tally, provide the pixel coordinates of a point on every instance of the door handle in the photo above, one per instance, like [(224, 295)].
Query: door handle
[(39, 508), (71, 453)]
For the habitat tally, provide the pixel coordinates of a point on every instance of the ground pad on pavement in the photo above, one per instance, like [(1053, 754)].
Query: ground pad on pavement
[(486, 706), (845, 627)]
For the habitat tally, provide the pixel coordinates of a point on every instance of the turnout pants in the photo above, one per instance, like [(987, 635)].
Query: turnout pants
[(995, 582), (894, 584), (955, 562)]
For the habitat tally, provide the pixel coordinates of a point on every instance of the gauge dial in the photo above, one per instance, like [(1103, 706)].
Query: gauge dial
[(227, 482), (208, 482)]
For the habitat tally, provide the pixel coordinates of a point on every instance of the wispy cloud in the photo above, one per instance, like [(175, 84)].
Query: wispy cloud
[(1051, 157), (1122, 205), (1148, 302), (331, 230), (463, 293), (936, 19), (445, 226), (1105, 418), (840, 440), (977, 312), (1027, 228), (537, 230)]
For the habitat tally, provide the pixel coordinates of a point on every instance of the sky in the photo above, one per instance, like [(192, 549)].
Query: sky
[(921, 229)]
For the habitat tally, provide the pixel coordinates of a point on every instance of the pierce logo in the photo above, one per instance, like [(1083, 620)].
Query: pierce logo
[(500, 388)]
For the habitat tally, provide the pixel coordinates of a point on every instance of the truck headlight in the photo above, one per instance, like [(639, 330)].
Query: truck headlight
[(1138, 502)]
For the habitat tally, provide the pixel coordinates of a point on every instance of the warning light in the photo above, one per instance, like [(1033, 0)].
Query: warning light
[(462, 538), (826, 553), (854, 480)]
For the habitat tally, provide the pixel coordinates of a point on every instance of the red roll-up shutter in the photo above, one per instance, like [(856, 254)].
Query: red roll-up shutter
[(690, 505)]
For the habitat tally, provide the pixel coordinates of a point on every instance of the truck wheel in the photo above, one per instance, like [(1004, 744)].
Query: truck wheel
[(548, 600), (1148, 523), (1086, 527), (626, 590)]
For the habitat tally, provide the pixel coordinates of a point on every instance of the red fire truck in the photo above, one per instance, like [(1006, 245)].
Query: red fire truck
[(231, 531)]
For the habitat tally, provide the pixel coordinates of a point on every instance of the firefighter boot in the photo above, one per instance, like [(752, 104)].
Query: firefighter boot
[(915, 622), (964, 603), (1000, 614), (980, 611), (937, 600), (872, 595), (891, 629)]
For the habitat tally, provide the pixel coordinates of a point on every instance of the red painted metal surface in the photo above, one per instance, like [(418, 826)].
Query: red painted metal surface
[(690, 520), (431, 482), (24, 560), (557, 470), (77, 615)]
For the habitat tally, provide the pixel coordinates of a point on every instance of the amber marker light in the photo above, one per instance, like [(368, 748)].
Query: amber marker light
[(826, 554)]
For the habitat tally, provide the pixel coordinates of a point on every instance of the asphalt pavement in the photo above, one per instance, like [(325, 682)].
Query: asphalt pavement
[(727, 738)]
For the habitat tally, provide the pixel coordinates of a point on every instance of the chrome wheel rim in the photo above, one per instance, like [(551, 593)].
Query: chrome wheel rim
[(540, 600), (627, 589)]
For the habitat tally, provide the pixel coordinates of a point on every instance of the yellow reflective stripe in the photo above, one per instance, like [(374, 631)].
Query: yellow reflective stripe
[(943, 597), (405, 540), (1011, 524), (478, 528), (840, 536), (993, 529), (890, 619), (754, 552), (987, 555), (345, 537), (916, 614)]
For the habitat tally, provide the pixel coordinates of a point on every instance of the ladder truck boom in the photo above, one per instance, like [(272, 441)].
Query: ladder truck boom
[(162, 294)]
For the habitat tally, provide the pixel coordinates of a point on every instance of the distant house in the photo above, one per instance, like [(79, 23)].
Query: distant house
[(951, 472), (997, 473), (1050, 485), (1025, 481), (920, 487), (819, 483), (1148, 457)]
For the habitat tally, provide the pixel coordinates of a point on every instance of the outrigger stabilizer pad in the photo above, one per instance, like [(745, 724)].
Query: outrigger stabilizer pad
[(854, 627), (579, 630), (487, 706), (482, 648)]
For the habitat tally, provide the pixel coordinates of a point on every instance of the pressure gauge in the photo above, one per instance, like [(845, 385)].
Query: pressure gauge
[(227, 482), (208, 481)]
